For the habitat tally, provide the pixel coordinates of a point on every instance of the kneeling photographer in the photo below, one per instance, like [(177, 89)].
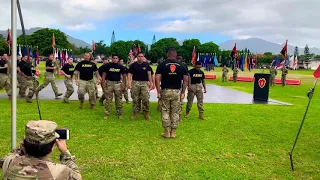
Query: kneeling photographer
[(31, 159)]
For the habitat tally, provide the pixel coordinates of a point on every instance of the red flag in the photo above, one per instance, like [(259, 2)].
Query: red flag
[(194, 55), (53, 42), (284, 50), (234, 51), (316, 74), (62, 58), (9, 39), (93, 47)]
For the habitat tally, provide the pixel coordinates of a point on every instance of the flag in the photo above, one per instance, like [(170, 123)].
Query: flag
[(198, 57), (53, 42), (215, 60), (30, 52), (234, 52), (295, 63), (316, 74), (242, 62), (9, 39), (93, 46), (291, 61), (67, 55), (71, 54), (287, 61), (284, 50), (62, 58), (130, 52), (246, 61), (59, 55), (139, 49), (194, 54), (37, 56)]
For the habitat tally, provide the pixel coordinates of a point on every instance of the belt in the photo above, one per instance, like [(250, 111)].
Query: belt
[(171, 89)]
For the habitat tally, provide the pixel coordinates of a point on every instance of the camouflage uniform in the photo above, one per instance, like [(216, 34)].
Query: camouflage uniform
[(113, 87), (140, 92), (284, 76), (21, 80), (170, 107), (19, 165), (49, 79), (84, 87), (224, 74), (235, 74), (29, 84), (4, 78), (195, 90), (273, 74)]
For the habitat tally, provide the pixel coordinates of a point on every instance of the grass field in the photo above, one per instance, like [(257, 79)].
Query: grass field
[(235, 142)]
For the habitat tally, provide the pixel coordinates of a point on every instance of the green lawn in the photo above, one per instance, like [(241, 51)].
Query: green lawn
[(235, 142)]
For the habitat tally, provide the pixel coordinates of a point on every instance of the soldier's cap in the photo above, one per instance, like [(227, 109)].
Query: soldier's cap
[(41, 132)]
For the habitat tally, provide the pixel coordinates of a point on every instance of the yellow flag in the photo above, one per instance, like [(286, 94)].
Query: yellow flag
[(246, 62)]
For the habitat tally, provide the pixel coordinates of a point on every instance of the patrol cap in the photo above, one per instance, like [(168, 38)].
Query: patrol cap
[(41, 132)]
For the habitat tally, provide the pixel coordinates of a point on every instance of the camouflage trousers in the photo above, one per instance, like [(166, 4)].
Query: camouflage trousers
[(140, 90), (69, 86), (125, 95), (272, 80), (57, 70), (170, 107), (5, 83), (87, 87), (30, 86), (113, 87), (48, 79), (103, 97), (21, 85), (195, 90), (235, 78), (283, 80), (224, 77)]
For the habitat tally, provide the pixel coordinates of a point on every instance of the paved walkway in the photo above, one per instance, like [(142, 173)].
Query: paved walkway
[(215, 94)]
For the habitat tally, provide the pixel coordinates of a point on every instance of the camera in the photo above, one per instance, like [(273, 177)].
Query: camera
[(63, 133)]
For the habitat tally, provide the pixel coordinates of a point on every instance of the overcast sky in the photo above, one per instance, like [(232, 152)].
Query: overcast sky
[(209, 20)]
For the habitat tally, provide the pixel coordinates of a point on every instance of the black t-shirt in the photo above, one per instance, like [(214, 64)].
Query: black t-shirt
[(114, 71), (49, 64), (68, 69), (126, 70), (139, 71), (172, 73), (28, 69), (86, 69), (197, 76), (2, 63), (21, 64), (100, 70)]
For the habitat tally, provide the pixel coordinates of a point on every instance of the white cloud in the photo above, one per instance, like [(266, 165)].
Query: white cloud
[(273, 20)]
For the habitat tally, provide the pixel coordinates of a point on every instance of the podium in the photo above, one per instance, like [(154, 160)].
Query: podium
[(261, 87)]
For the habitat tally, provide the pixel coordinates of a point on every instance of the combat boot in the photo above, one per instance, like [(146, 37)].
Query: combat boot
[(147, 116), (173, 133), (186, 115), (180, 119), (201, 116), (58, 94), (120, 117), (93, 106), (127, 101), (134, 116), (81, 105), (106, 117), (166, 133), (28, 100), (65, 100)]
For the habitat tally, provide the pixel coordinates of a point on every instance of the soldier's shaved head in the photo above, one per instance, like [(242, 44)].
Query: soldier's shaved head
[(172, 53)]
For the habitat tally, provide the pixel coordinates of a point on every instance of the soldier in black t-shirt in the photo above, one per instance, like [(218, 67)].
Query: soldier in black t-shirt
[(49, 78), (28, 73), (4, 77), (140, 83), (101, 68), (68, 70), (85, 71), (196, 82), (114, 82), (125, 92), (170, 73)]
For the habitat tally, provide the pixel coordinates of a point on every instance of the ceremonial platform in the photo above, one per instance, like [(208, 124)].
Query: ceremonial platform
[(215, 94)]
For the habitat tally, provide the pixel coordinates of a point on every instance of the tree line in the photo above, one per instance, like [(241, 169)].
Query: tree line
[(157, 51)]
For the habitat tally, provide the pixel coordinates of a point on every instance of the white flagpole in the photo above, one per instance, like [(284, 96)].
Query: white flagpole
[(14, 73)]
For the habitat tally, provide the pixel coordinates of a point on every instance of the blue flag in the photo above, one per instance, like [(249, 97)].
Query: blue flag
[(242, 62), (215, 60), (287, 61)]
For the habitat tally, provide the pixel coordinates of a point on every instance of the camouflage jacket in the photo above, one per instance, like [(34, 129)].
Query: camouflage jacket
[(17, 165), (235, 72), (273, 72), (284, 72), (225, 70)]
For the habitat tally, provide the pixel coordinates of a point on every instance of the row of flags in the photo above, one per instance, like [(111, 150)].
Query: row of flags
[(290, 61), (61, 54), (206, 59), (134, 50), (244, 61)]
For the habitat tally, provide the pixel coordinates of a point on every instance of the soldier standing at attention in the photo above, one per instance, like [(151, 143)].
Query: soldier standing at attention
[(83, 73), (68, 70), (27, 72), (21, 80), (125, 92), (114, 81), (140, 83), (235, 74), (273, 74), (49, 78), (170, 73), (284, 76), (100, 70), (196, 82), (153, 82), (224, 73), (4, 77), (31, 159)]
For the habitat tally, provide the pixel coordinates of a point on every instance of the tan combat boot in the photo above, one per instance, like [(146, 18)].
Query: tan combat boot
[(166, 133), (81, 105), (106, 117), (186, 115), (173, 133), (93, 107), (120, 117), (134, 116), (147, 116), (201, 116), (28, 100)]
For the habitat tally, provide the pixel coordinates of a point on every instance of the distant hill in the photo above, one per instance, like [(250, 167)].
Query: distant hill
[(72, 40), (257, 45)]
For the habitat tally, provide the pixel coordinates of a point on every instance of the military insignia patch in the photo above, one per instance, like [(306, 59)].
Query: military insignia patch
[(144, 68), (172, 67), (262, 82)]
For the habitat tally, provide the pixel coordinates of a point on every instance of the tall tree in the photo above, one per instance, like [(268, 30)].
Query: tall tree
[(307, 56), (121, 48), (159, 49), (296, 51), (1, 37), (101, 48)]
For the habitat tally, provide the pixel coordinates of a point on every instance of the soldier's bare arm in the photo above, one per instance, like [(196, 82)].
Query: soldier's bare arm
[(204, 85), (4, 67), (150, 79), (76, 77), (185, 81), (103, 81), (129, 80), (158, 80)]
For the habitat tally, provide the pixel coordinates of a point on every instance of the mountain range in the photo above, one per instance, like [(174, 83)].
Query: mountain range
[(72, 40), (255, 45)]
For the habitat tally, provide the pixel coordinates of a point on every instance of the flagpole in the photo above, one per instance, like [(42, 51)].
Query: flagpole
[(14, 74), (310, 94)]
